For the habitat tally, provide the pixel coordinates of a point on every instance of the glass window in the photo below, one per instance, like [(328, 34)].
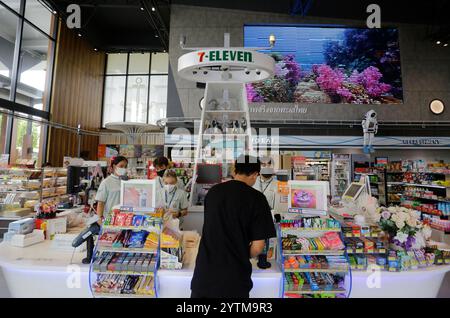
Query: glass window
[(39, 15), (26, 141), (160, 63), (8, 27), (139, 63), (33, 67), (117, 64), (137, 95), (140, 106), (158, 98), (13, 4), (114, 99)]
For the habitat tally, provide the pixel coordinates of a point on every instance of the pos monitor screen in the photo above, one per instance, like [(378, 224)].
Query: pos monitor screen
[(74, 176), (353, 191), (209, 173)]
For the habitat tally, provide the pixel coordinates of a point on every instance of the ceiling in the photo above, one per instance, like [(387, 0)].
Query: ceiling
[(131, 25)]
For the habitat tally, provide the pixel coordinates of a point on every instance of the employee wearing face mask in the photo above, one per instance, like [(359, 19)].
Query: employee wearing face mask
[(266, 182), (171, 198), (108, 194), (161, 165)]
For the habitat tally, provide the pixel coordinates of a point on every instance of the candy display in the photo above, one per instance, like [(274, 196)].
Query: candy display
[(312, 282), (329, 241), (311, 223), (124, 284), (320, 262), (128, 239), (136, 263), (407, 260)]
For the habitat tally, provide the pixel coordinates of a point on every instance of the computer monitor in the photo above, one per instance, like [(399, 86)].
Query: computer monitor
[(308, 196), (209, 173), (353, 191), (74, 176)]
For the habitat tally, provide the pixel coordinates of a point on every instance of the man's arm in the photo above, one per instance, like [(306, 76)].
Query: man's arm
[(256, 248)]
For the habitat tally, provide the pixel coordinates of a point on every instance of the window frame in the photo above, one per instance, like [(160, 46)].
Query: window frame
[(127, 75), (11, 104)]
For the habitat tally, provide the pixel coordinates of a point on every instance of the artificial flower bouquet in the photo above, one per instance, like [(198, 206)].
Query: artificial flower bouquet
[(404, 227)]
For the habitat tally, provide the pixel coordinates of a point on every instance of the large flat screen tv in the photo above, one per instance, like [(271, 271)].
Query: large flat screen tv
[(328, 65)]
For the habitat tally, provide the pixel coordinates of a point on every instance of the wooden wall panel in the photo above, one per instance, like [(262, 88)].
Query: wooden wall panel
[(76, 96)]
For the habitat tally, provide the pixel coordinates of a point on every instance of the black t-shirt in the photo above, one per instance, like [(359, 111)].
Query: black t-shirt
[(235, 215)]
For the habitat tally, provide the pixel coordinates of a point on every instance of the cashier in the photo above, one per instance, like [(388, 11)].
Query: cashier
[(161, 165), (266, 182), (108, 193), (171, 198)]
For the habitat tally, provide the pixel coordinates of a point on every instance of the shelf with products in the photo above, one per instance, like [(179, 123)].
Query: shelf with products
[(126, 256), (312, 256)]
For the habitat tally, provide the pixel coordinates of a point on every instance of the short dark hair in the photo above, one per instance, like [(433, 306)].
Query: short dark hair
[(247, 165), (161, 161), (118, 159)]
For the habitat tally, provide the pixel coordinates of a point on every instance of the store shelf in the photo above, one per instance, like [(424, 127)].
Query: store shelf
[(425, 185), (133, 228), (111, 295), (315, 252), (429, 199), (125, 273), (442, 217), (380, 251), (317, 270), (309, 230), (127, 250), (395, 183), (320, 291)]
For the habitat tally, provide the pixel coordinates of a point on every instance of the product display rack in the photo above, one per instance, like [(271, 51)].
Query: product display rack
[(312, 169), (23, 188), (311, 273), (126, 272)]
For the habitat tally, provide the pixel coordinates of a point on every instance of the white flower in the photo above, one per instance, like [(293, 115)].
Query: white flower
[(411, 222), (400, 224), (401, 237), (426, 231), (419, 241)]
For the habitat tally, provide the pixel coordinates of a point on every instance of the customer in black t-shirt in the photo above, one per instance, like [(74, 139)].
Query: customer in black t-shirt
[(237, 220)]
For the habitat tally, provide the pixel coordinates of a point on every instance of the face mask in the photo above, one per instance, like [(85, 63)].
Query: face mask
[(169, 187), (267, 176), (121, 172), (160, 173)]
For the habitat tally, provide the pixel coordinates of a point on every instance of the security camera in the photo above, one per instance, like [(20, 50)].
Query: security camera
[(194, 72), (205, 72), (225, 68), (247, 71), (258, 72)]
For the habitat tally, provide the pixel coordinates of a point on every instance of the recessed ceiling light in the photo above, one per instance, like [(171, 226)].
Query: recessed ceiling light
[(438, 42), (142, 8), (54, 12), (445, 44), (79, 34), (437, 106), (95, 49), (153, 9), (156, 35)]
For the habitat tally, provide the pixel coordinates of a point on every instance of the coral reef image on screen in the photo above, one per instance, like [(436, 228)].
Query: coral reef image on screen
[(328, 65)]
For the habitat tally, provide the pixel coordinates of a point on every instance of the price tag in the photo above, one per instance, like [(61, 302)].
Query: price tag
[(382, 250), (447, 261), (360, 266), (439, 261), (359, 250), (349, 250), (356, 235), (390, 258), (374, 234), (392, 269), (348, 234)]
